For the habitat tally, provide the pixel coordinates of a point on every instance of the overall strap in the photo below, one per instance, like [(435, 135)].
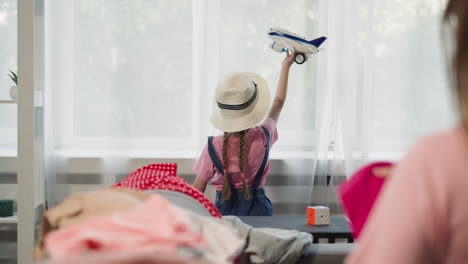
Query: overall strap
[(214, 156), (217, 162), (258, 176)]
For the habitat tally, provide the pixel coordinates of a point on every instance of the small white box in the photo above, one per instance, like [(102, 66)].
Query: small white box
[(318, 215)]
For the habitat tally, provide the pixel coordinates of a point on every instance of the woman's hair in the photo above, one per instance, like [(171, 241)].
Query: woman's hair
[(226, 193), (456, 19)]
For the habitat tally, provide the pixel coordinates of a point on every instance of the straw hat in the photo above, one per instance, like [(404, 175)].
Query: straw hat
[(242, 100)]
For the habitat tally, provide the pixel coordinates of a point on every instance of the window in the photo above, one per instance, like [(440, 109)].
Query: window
[(141, 74), (129, 78), (7, 62), (125, 69)]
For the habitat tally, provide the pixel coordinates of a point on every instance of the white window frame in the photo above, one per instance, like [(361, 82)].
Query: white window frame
[(205, 55)]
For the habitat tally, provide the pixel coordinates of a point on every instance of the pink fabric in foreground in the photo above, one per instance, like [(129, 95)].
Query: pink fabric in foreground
[(421, 214), (359, 193), (154, 223)]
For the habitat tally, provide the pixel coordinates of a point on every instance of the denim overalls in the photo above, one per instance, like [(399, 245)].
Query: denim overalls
[(258, 204)]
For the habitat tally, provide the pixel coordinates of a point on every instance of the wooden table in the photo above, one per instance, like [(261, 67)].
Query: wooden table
[(338, 227)]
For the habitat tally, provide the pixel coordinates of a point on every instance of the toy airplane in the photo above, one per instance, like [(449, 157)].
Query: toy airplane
[(286, 40)]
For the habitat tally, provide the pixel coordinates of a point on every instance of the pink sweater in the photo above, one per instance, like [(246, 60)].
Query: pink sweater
[(421, 215)]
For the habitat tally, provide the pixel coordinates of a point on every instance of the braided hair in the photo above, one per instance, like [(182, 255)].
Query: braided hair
[(245, 190), (226, 192)]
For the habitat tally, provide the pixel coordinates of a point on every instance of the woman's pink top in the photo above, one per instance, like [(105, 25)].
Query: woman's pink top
[(421, 215), (255, 142)]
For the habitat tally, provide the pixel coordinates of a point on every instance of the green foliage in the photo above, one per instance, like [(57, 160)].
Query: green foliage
[(13, 76)]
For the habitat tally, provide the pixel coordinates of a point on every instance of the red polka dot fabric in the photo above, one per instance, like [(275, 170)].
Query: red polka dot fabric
[(163, 176)]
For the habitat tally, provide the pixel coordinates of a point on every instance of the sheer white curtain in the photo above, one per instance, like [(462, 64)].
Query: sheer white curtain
[(120, 79), (133, 82), (387, 71), (130, 80)]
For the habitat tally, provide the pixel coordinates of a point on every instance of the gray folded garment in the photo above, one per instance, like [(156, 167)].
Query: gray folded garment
[(183, 201), (271, 245)]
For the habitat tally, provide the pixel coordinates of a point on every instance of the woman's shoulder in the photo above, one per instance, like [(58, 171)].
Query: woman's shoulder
[(444, 150), (448, 141)]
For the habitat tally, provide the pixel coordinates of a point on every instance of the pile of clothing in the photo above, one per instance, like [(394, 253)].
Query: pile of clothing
[(121, 225)]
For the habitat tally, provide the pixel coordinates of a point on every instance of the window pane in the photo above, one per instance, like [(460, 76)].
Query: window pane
[(7, 62), (246, 47), (403, 56), (132, 68)]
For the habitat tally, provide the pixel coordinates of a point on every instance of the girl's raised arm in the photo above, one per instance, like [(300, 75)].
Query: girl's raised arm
[(282, 89)]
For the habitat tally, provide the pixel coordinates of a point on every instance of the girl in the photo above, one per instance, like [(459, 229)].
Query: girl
[(237, 162)]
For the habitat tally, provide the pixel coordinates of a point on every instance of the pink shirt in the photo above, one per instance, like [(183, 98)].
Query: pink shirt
[(421, 215), (255, 142)]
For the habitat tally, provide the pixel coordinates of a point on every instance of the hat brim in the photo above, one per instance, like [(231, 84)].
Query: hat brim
[(238, 120)]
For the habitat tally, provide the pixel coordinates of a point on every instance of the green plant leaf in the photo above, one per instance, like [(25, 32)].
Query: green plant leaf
[(13, 76)]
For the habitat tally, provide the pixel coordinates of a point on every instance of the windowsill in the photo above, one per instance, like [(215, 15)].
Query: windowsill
[(8, 153), (9, 220), (8, 101), (132, 154), (274, 155), (151, 154)]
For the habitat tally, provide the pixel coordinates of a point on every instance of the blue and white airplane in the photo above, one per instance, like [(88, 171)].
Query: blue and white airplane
[(284, 39)]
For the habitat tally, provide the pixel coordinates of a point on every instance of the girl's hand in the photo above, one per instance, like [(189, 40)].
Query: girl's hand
[(289, 60)]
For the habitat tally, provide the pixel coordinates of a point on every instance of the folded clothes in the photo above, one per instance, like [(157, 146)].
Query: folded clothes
[(182, 200), (223, 243), (153, 223), (271, 245), (164, 177), (96, 225), (82, 206), (131, 256)]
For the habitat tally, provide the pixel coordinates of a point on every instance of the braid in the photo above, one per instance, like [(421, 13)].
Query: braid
[(226, 192), (241, 152), (245, 190)]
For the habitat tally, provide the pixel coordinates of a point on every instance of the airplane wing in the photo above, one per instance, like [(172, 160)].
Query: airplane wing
[(287, 45), (313, 49)]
